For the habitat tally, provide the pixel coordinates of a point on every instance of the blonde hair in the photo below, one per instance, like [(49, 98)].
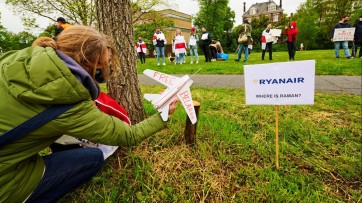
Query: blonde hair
[(86, 46), (178, 31)]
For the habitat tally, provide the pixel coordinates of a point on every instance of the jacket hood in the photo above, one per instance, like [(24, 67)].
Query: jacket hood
[(294, 24), (39, 75)]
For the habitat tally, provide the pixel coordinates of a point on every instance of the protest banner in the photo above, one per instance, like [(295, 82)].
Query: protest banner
[(288, 83), (343, 34)]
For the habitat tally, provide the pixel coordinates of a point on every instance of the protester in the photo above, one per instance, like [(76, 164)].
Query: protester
[(179, 47), (39, 77), (193, 46), (205, 44), (141, 49), (215, 48), (243, 46), (291, 31), (343, 23), (62, 25), (159, 41), (358, 37), (267, 42)]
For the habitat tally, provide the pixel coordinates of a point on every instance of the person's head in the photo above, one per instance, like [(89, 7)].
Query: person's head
[(61, 21), (178, 32), (345, 18), (192, 30), (139, 39), (158, 30), (269, 26), (203, 28), (293, 24), (89, 48)]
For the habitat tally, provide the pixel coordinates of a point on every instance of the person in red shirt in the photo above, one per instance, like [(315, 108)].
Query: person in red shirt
[(141, 49), (291, 32)]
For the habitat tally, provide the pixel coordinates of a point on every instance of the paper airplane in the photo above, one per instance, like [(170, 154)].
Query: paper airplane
[(176, 87)]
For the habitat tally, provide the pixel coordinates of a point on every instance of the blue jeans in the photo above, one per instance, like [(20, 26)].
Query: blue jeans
[(344, 46), (160, 51), (66, 170), (180, 58), (243, 47), (193, 51)]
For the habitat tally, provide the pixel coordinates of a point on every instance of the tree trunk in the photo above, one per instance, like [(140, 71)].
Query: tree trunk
[(115, 20)]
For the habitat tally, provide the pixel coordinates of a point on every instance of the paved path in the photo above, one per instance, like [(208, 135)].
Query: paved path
[(323, 84)]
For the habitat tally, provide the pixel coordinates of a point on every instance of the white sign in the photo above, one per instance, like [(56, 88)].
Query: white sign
[(276, 32), (287, 83), (343, 34)]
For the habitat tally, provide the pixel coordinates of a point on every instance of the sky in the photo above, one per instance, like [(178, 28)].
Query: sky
[(14, 24)]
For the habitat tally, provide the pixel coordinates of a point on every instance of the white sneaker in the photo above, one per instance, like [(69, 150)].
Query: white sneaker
[(158, 64), (164, 64), (191, 62)]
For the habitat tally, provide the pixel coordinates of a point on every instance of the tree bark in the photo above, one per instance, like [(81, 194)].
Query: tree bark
[(115, 20)]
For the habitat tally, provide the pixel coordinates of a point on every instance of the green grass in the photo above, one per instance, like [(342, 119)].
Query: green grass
[(233, 160), (326, 64)]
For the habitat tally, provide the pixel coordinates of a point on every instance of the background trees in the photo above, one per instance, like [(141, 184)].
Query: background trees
[(218, 18)]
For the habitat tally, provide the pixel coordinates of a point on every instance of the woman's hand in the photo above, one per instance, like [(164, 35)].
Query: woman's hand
[(172, 107)]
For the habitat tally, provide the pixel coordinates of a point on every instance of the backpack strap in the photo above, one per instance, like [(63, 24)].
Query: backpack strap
[(33, 123)]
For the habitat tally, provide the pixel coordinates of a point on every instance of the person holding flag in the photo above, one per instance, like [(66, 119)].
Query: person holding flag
[(141, 49), (179, 47)]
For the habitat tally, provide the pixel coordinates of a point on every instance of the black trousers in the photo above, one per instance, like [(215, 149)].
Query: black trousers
[(268, 46), (291, 50), (356, 45), (142, 57), (207, 53)]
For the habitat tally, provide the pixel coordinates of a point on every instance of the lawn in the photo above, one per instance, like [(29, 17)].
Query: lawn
[(233, 160), (326, 64)]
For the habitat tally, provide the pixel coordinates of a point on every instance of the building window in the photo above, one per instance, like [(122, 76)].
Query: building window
[(275, 18), (253, 11), (272, 7)]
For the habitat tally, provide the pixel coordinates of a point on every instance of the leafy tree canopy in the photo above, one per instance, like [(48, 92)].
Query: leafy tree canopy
[(216, 16)]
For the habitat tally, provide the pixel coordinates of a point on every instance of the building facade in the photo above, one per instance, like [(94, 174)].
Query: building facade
[(181, 21), (269, 8)]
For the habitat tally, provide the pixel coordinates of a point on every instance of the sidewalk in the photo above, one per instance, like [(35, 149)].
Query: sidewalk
[(323, 84)]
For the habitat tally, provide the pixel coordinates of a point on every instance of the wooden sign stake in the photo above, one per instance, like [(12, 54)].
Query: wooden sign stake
[(276, 138), (190, 129)]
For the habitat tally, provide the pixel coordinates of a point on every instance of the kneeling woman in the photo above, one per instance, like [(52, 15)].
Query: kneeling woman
[(53, 73)]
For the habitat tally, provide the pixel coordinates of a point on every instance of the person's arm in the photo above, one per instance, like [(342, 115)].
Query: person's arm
[(332, 32), (86, 121)]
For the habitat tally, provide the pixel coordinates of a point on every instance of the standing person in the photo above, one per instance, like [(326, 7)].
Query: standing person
[(343, 23), (193, 46), (141, 49), (267, 42), (358, 37), (179, 47), (291, 32), (301, 47), (61, 72), (62, 25), (205, 43), (243, 46), (159, 41)]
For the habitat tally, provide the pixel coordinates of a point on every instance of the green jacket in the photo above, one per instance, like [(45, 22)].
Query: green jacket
[(31, 80)]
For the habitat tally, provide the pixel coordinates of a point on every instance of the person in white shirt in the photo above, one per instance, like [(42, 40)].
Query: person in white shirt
[(159, 40), (193, 46), (267, 42)]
